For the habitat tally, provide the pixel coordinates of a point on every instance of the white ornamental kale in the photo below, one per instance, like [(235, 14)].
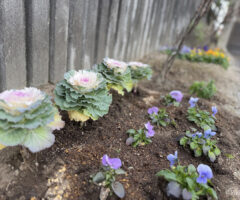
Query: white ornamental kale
[(83, 94), (140, 71), (28, 118), (117, 74)]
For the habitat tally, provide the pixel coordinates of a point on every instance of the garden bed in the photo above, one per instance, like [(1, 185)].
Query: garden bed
[(63, 171)]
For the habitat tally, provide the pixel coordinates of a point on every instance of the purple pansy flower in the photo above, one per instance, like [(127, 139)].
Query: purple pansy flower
[(193, 102), (172, 158), (177, 95), (205, 173), (113, 163), (150, 132), (153, 110), (198, 134), (185, 50), (214, 110), (205, 48), (208, 133)]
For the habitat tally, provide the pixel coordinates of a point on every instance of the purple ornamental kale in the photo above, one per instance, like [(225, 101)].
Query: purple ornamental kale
[(150, 132), (172, 158), (114, 163), (208, 133), (193, 102), (214, 110), (177, 95), (205, 173), (153, 110)]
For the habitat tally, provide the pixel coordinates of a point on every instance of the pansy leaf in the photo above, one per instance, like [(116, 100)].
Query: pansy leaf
[(191, 169), (211, 156), (217, 151), (118, 189), (99, 177), (120, 171)]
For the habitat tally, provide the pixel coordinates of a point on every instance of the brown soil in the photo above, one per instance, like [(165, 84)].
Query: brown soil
[(63, 171)]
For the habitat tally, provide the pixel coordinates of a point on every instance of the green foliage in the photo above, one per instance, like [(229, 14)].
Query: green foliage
[(168, 100), (115, 79), (201, 145), (138, 137), (93, 102), (201, 118), (162, 118), (186, 177), (203, 89), (139, 73), (107, 178)]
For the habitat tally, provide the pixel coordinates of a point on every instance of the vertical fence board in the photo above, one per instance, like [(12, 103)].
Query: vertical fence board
[(161, 24), (129, 53), (136, 32), (122, 30), (58, 39), (38, 41), (102, 30), (112, 27), (75, 50), (144, 10), (12, 45), (89, 40)]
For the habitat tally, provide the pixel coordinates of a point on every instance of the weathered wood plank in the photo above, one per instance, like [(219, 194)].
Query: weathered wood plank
[(77, 10), (37, 41), (122, 30), (102, 30), (112, 27), (59, 14), (132, 30), (12, 45), (89, 41), (143, 17)]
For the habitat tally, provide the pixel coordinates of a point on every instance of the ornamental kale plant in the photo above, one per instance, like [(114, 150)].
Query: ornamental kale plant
[(139, 71), (173, 98), (187, 182), (107, 177), (140, 137), (203, 89), (201, 118), (83, 94), (28, 118), (202, 144), (160, 117), (117, 75)]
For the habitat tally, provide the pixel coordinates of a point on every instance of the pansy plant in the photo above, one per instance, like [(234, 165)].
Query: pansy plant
[(141, 136), (139, 71), (201, 118), (28, 118), (187, 182), (160, 117), (111, 167), (117, 75), (201, 144), (173, 98), (83, 94)]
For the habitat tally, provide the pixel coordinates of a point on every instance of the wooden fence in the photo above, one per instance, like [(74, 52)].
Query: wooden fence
[(42, 39)]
